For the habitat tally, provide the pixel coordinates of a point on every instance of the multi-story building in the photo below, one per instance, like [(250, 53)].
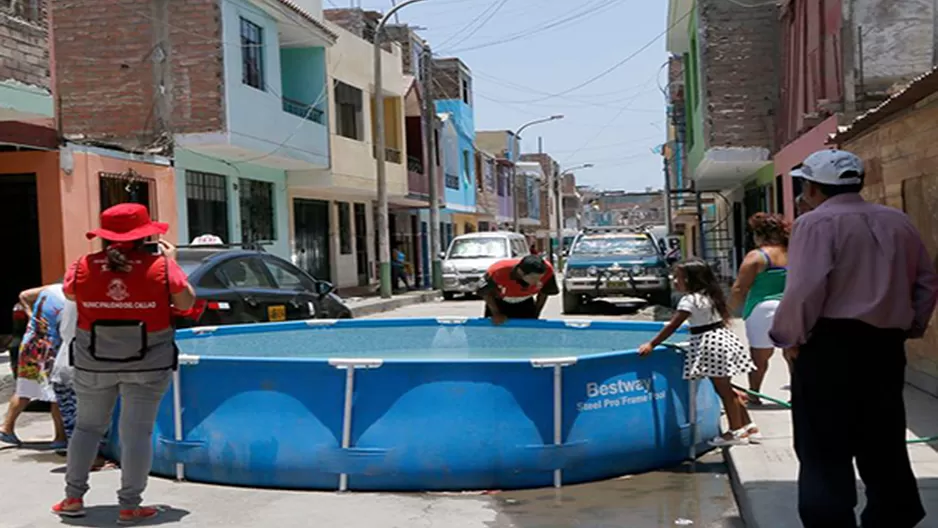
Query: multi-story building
[(730, 94), (572, 204), (547, 227), (234, 90), (840, 58), (334, 208), (529, 177), (52, 190), (452, 92), (487, 201), (502, 145)]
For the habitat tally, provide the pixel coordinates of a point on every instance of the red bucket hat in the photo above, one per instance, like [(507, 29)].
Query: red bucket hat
[(127, 222)]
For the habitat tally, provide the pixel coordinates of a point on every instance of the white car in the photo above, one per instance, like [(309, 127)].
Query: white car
[(469, 257)]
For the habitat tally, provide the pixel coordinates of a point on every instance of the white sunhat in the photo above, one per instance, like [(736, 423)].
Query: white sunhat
[(828, 167)]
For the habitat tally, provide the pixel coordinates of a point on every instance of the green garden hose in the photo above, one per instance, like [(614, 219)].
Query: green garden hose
[(679, 347)]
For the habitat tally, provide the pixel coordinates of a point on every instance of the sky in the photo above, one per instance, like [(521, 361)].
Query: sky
[(613, 122)]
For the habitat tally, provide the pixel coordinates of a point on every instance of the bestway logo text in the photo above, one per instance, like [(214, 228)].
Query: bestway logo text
[(617, 387)]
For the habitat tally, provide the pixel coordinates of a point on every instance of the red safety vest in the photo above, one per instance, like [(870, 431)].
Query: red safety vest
[(124, 318)]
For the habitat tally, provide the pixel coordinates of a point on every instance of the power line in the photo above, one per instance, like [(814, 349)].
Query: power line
[(620, 63), (492, 9), (589, 10)]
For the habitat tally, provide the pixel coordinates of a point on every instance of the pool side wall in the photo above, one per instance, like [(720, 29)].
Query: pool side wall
[(428, 425)]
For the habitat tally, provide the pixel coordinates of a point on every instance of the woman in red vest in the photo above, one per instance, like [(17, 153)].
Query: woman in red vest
[(123, 347)]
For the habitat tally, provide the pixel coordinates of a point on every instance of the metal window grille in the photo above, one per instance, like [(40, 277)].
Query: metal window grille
[(207, 204), (252, 54), (257, 211), (126, 187)]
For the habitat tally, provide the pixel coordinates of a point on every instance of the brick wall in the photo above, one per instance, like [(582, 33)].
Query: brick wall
[(107, 84), (738, 47), (902, 172), (24, 50)]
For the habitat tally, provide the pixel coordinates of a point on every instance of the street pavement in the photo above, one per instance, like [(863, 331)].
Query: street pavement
[(696, 495)]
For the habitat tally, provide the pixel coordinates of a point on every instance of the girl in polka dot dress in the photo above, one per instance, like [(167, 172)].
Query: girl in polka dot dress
[(715, 351)]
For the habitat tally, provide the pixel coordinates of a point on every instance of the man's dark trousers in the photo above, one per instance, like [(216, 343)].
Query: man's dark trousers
[(847, 403)]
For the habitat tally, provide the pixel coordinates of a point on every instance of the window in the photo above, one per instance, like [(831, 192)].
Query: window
[(252, 54), (345, 229), (348, 100), (25, 9), (467, 168), (288, 278), (257, 210), (452, 181), (466, 92), (207, 204), (244, 273), (125, 187)]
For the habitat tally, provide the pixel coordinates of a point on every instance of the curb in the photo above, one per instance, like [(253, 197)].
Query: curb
[(743, 502), (368, 308)]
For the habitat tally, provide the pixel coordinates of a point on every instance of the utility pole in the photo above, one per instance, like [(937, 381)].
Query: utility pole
[(429, 111), (558, 197), (384, 242), (668, 221)]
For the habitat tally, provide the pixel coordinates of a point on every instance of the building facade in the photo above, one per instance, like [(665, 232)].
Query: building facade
[(838, 59), (896, 143), (454, 105), (730, 97), (234, 91)]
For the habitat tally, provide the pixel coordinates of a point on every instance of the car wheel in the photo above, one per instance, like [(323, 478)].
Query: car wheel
[(448, 296), (346, 315), (571, 303)]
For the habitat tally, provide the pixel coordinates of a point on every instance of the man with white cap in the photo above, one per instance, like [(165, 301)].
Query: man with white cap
[(860, 283)]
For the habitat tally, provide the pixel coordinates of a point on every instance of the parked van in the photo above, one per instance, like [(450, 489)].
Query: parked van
[(469, 257)]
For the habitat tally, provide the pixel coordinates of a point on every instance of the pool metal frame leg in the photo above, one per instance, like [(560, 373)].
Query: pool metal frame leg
[(692, 417), (177, 421), (349, 365), (177, 407), (557, 364)]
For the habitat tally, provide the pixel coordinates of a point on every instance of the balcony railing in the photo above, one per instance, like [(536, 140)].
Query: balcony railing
[(308, 112), (414, 164), (390, 154)]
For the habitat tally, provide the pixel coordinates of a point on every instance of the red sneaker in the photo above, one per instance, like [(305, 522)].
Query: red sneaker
[(70, 508), (136, 515)]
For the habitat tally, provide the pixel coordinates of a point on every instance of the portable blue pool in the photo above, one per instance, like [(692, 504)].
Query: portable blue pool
[(426, 404)]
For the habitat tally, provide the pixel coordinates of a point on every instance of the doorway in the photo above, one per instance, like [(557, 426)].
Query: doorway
[(19, 206), (361, 244), (415, 251), (311, 237), (425, 253)]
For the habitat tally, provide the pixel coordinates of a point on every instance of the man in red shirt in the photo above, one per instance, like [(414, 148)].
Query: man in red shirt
[(510, 286)]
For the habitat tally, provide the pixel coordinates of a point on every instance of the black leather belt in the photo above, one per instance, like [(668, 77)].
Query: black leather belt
[(697, 330)]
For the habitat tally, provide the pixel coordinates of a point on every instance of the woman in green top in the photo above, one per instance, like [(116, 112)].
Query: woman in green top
[(759, 287)]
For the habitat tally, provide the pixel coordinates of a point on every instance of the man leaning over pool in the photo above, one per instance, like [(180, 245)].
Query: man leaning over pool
[(517, 288)]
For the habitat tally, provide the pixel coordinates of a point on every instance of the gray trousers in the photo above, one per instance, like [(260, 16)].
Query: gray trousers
[(140, 393)]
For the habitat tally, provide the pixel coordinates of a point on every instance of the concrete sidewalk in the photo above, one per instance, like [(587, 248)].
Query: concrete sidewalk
[(366, 306), (765, 476)]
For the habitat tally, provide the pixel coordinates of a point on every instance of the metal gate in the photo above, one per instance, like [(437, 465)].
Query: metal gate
[(311, 237)]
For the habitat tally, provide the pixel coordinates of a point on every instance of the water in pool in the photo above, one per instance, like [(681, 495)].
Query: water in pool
[(419, 342)]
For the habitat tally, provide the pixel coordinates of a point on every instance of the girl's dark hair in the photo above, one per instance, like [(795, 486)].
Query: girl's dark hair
[(117, 255), (699, 278), (772, 228)]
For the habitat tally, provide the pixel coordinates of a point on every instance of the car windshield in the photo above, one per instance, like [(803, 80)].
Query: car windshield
[(614, 245), (467, 248)]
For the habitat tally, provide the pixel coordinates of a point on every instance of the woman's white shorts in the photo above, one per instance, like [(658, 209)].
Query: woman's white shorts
[(759, 323)]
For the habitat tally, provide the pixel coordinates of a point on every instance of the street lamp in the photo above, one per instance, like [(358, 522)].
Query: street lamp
[(384, 243), (558, 195), (516, 153)]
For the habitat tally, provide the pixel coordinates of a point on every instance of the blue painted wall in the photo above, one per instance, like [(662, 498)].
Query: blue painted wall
[(464, 198), (303, 73), (255, 118), (185, 159)]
